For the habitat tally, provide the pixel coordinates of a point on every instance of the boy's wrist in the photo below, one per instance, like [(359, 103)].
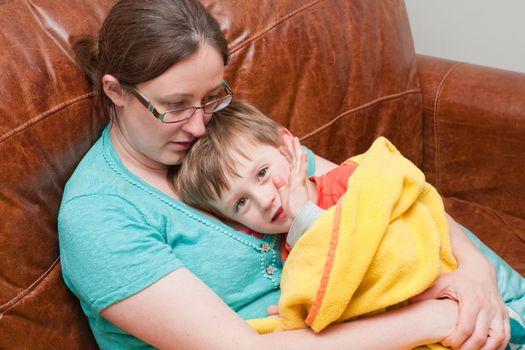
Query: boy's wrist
[(437, 318), (305, 219)]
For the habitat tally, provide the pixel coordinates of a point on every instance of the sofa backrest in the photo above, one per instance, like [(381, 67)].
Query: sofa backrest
[(338, 73), (46, 125)]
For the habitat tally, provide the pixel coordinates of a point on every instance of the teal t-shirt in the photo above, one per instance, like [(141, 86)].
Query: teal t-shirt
[(118, 235)]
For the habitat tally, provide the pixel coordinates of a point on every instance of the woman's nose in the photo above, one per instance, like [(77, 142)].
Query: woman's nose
[(195, 125)]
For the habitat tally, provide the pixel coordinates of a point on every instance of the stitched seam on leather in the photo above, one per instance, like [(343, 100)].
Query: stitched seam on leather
[(357, 109), (45, 114), (11, 303), (435, 117), (272, 25), (492, 211)]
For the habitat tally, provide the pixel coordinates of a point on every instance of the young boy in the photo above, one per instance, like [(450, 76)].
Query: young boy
[(243, 173), (233, 171)]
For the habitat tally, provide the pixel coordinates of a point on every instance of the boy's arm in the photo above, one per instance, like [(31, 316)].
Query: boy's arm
[(305, 219), (483, 317)]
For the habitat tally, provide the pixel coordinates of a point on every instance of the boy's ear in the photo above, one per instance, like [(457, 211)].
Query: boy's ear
[(113, 90)]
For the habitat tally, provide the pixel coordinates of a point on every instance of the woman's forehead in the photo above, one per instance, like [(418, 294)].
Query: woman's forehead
[(197, 74)]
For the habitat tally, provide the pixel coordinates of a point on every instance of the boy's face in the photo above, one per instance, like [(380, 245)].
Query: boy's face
[(252, 199)]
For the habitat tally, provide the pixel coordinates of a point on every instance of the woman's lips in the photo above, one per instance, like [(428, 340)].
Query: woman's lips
[(182, 146), (279, 215)]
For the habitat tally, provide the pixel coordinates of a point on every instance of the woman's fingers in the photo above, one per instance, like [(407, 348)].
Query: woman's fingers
[(479, 337), (506, 329), (489, 332), (466, 325), (496, 336), (499, 333)]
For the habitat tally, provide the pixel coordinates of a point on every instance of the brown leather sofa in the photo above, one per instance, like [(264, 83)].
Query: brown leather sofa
[(338, 73)]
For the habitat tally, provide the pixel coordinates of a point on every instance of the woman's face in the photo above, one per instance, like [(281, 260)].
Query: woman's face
[(152, 143)]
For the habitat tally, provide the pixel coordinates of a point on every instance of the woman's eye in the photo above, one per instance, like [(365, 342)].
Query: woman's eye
[(212, 98), (176, 105), (262, 172), (240, 203)]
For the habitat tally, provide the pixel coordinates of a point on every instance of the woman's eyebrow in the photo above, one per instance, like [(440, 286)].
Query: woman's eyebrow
[(176, 95), (187, 95)]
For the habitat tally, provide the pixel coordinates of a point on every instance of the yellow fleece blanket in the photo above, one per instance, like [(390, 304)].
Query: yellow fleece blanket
[(385, 241)]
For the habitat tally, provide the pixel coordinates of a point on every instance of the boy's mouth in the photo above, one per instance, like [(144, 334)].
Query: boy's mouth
[(279, 215)]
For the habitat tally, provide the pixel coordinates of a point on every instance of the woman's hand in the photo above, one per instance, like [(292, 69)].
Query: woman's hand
[(483, 318), (294, 193)]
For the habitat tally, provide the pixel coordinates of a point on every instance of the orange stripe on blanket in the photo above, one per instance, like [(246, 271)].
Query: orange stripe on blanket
[(316, 306)]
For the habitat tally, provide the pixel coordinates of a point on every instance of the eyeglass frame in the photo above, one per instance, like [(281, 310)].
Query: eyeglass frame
[(146, 102)]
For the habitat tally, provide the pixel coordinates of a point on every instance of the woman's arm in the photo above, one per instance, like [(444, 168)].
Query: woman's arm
[(180, 312), (483, 317)]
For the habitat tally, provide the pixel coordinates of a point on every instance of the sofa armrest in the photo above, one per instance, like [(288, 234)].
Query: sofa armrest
[(474, 132)]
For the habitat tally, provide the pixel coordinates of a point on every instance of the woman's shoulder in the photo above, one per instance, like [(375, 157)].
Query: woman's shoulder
[(91, 175), (101, 183), (100, 173)]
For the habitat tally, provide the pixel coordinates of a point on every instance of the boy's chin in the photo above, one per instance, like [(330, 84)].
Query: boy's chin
[(278, 230)]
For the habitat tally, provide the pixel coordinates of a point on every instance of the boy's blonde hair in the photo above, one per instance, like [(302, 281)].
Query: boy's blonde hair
[(202, 176)]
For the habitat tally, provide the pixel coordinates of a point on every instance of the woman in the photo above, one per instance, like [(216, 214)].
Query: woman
[(148, 269)]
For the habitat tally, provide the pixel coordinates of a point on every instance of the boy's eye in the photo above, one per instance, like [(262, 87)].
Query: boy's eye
[(240, 203), (262, 172)]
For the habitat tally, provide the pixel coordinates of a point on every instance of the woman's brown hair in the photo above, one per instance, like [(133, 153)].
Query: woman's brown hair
[(140, 40)]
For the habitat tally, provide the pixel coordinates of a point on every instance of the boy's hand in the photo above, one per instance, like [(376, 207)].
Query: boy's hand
[(294, 193), (273, 310)]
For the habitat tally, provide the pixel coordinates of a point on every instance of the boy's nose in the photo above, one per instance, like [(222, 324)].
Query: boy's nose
[(266, 197)]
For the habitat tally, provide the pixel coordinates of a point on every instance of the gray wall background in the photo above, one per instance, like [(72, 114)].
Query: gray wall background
[(485, 32)]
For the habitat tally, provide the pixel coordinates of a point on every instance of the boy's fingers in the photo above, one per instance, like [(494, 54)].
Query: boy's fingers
[(286, 133), (287, 147), (297, 146), (282, 187), (304, 164), (273, 310), (279, 183), (285, 151)]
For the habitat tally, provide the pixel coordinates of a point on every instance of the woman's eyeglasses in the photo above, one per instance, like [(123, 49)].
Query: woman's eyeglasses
[(177, 115)]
